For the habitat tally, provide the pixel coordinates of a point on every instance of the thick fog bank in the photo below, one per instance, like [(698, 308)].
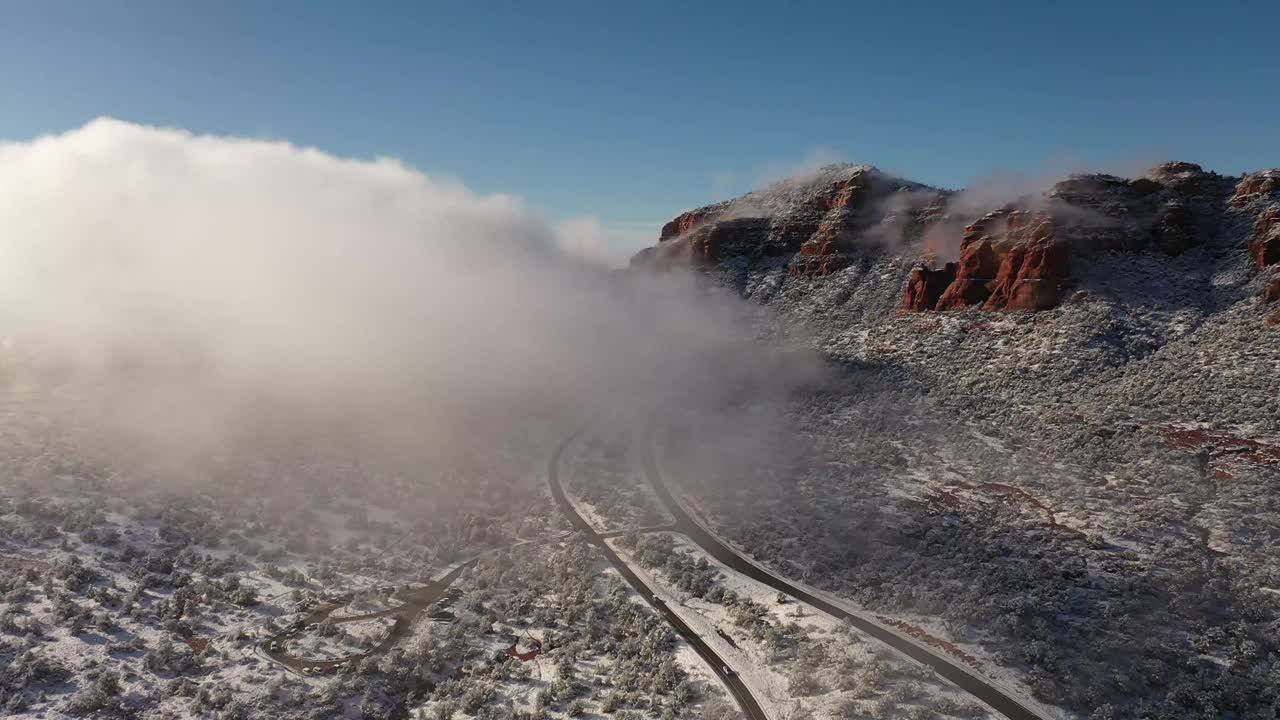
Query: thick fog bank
[(184, 289)]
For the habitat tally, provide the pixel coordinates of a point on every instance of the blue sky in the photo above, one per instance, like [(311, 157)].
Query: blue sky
[(632, 111)]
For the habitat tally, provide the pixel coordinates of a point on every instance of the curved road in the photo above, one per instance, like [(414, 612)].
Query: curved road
[(1000, 700), (731, 680), (418, 600)]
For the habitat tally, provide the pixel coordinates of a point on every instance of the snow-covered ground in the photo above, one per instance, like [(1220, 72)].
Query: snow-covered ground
[(845, 651), (338, 640), (1010, 680)]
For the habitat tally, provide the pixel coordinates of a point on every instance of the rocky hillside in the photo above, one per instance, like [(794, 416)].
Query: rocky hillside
[(1018, 255), (1060, 435), (812, 222), (1094, 319)]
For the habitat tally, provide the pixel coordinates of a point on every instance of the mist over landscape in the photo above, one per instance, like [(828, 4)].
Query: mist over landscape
[(179, 286), (813, 362)]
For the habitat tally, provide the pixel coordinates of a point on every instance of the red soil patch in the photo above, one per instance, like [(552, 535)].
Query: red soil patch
[(1224, 449), (945, 645), (525, 656), (945, 500)]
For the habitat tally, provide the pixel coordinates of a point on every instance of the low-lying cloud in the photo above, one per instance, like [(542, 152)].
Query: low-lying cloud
[(609, 244), (221, 275)]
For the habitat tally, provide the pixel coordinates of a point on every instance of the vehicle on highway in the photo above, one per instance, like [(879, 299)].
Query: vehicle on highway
[(728, 671)]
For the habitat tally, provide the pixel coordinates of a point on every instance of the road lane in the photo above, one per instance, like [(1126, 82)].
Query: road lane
[(750, 707), (987, 692)]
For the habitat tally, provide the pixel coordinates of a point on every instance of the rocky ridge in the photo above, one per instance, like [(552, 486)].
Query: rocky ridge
[(811, 221), (1127, 411), (1018, 256)]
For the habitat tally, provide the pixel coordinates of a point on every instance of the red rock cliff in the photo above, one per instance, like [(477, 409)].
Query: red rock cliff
[(813, 221), (1259, 196), (690, 220), (925, 286), (1015, 258), (1009, 260)]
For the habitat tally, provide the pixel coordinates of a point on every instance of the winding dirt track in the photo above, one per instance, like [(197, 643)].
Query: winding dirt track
[(415, 601)]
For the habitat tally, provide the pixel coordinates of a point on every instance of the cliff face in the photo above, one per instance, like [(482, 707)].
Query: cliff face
[(1009, 260), (811, 221), (1014, 257), (1258, 195), (1019, 257)]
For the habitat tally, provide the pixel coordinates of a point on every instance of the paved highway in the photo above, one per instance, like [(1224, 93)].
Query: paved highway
[(987, 692), (731, 680)]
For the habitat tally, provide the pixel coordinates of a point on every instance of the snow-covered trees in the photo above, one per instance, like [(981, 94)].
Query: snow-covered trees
[(170, 657), (27, 674)]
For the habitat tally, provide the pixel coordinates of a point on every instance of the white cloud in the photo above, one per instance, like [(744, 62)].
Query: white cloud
[(232, 270), (238, 251), (610, 244), (726, 184), (723, 185), (813, 159)]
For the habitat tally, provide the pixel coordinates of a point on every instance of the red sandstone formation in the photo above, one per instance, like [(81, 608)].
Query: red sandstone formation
[(690, 220), (817, 258), (1016, 258), (1031, 277), (1264, 240), (1009, 260), (1257, 186), (821, 253), (926, 286), (1165, 171), (704, 245), (812, 221), (1259, 195)]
